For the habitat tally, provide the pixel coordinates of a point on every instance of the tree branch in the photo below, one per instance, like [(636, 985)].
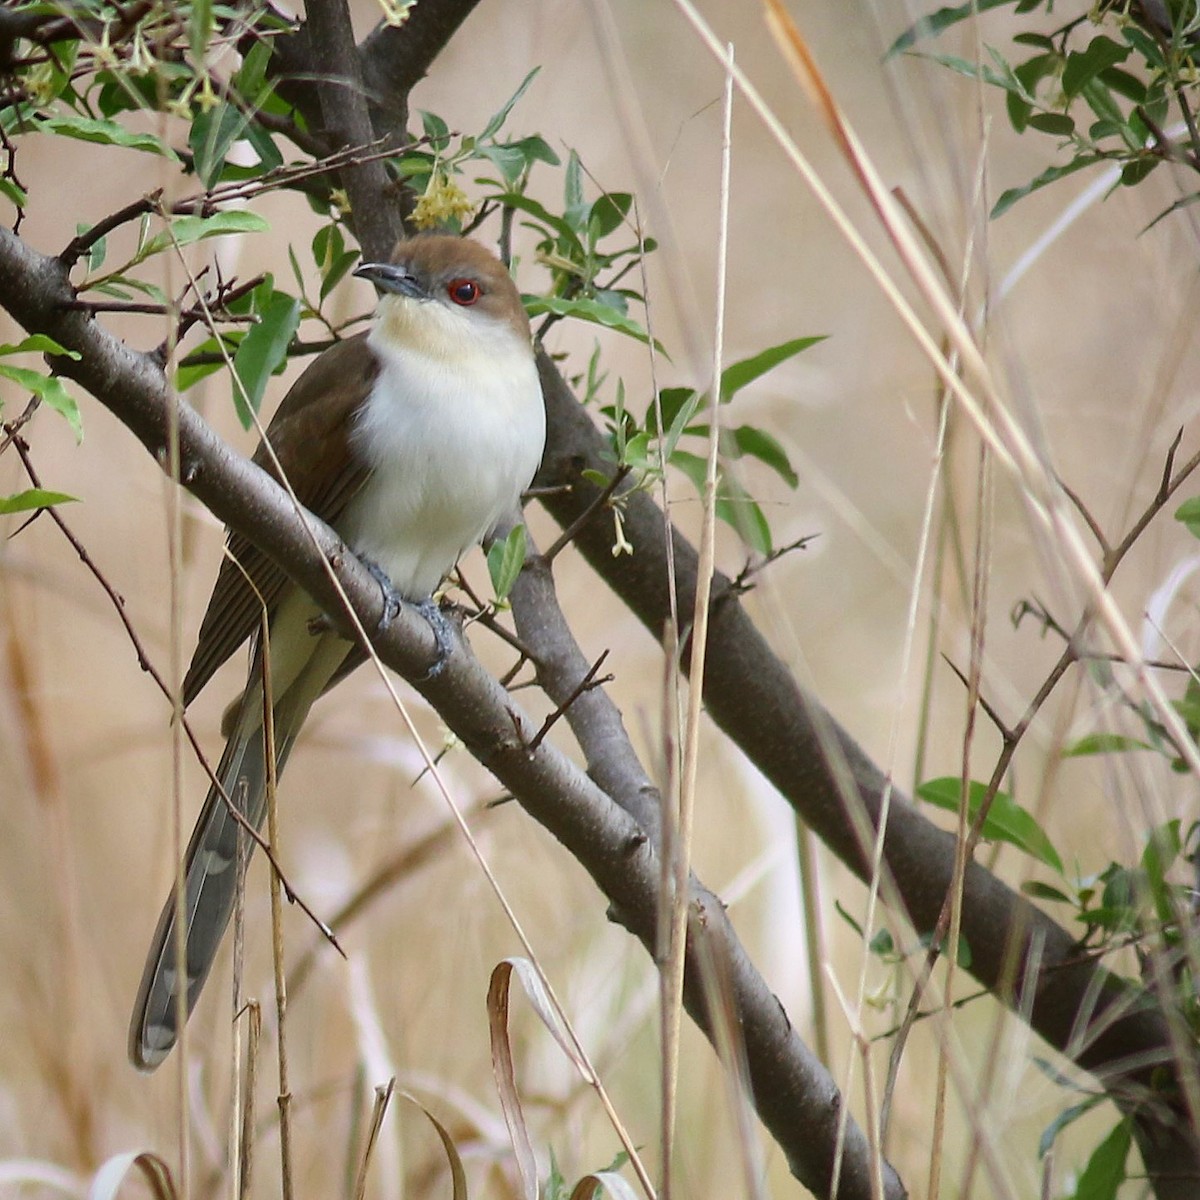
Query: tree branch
[(1105, 1024), (799, 1099)]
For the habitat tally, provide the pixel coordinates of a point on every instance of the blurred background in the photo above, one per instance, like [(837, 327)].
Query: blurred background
[(1096, 351)]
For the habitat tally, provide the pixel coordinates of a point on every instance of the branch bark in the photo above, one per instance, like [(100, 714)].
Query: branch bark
[(797, 1097), (1100, 1021)]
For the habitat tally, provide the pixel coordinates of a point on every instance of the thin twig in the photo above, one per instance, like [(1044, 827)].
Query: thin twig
[(565, 538), (588, 682), (143, 661)]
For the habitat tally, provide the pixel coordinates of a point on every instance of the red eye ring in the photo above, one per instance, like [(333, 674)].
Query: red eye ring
[(463, 291)]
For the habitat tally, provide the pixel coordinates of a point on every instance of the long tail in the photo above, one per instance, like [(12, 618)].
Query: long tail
[(212, 876)]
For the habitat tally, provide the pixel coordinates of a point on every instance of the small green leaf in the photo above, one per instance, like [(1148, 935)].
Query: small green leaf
[(1189, 514), (436, 130), (49, 389), (251, 76), (1056, 123), (184, 231), (734, 505), (1006, 821), (1066, 1117), (1083, 66), (501, 115), (212, 134), (13, 192), (672, 401), (189, 374), (33, 498), (937, 22), (505, 560), (1043, 891), (758, 443), (585, 310), (1104, 743), (199, 29), (575, 207), (1048, 176), (106, 133), (737, 376), (882, 945), (572, 246), (338, 270), (974, 70), (608, 214), (38, 343), (1101, 1179), (263, 352), (1132, 173)]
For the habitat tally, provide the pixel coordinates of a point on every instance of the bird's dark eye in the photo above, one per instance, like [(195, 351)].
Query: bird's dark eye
[(463, 291)]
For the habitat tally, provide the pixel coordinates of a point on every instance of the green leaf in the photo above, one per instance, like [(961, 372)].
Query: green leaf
[(608, 214), (941, 20), (758, 443), (734, 505), (338, 270), (501, 115), (1132, 173), (573, 247), (263, 352), (106, 133), (1124, 84), (1066, 1117), (38, 343), (672, 401), (974, 70), (882, 945), (211, 136), (1006, 821), (436, 130), (251, 76), (505, 560), (200, 26), (585, 310), (1083, 66), (332, 258), (49, 389), (1043, 891), (1189, 513), (1105, 1170), (189, 374), (33, 498), (575, 207), (737, 376), (1056, 123), (184, 231), (1104, 743), (14, 193), (1048, 176)]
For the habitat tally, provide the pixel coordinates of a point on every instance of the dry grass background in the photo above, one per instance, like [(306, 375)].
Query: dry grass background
[(1096, 346)]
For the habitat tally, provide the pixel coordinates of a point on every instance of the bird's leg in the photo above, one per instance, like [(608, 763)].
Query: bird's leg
[(443, 632), (391, 597)]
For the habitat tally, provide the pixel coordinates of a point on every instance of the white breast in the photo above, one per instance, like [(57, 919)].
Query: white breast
[(453, 443)]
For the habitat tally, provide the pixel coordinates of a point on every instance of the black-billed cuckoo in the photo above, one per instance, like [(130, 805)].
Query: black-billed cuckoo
[(412, 440)]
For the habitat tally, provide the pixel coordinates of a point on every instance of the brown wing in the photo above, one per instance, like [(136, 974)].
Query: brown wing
[(313, 445)]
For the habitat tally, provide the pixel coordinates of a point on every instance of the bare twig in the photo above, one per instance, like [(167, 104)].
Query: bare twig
[(588, 682)]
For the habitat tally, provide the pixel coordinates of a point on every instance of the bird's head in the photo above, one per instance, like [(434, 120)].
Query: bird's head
[(438, 290)]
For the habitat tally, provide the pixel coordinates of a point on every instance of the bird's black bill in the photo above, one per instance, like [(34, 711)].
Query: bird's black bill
[(388, 277)]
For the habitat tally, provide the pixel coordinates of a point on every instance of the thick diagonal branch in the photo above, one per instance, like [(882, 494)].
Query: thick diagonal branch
[(799, 1100)]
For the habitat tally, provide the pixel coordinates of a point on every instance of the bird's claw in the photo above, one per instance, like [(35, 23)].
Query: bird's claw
[(443, 631), (391, 597), (443, 634)]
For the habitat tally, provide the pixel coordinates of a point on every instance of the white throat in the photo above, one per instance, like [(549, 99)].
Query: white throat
[(454, 430)]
